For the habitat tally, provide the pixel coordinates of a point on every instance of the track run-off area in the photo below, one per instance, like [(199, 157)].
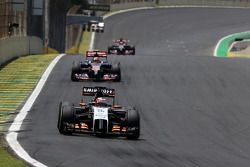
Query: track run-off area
[(194, 107)]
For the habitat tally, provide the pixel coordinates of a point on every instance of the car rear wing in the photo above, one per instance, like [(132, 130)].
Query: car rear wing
[(98, 91), (119, 40), (96, 54)]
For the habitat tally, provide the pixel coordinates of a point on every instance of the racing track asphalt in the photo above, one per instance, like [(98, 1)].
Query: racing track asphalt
[(194, 107)]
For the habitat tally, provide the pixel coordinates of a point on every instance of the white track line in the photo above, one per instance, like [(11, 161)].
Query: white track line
[(92, 40), (218, 44), (15, 127)]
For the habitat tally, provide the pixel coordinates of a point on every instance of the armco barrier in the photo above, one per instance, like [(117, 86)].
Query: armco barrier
[(219, 3), (13, 47)]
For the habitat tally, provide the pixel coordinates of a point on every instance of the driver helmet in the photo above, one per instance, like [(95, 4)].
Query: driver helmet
[(101, 100), (96, 59)]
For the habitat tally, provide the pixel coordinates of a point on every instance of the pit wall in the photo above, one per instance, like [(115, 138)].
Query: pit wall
[(13, 47)]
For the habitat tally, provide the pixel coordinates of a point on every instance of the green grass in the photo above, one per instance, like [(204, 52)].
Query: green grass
[(79, 48), (84, 44), (16, 86), (17, 80), (7, 160)]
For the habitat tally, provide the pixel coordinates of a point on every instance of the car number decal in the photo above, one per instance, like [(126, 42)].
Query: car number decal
[(100, 113)]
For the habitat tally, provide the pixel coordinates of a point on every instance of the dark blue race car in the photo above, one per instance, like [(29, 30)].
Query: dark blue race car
[(96, 67)]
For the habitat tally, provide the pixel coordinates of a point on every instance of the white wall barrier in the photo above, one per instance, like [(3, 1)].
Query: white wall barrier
[(14, 47)]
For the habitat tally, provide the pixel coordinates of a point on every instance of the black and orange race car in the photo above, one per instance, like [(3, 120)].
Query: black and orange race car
[(100, 116), (96, 67), (121, 47)]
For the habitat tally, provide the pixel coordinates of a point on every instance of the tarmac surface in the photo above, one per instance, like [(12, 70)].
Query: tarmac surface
[(194, 107)]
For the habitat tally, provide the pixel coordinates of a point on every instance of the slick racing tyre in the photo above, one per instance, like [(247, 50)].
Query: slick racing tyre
[(65, 116), (133, 51), (133, 121), (117, 70), (109, 50), (76, 69)]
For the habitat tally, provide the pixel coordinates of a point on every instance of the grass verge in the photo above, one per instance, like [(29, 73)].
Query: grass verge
[(84, 44), (6, 159), (17, 80)]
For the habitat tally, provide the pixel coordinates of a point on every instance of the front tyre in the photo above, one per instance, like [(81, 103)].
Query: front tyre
[(117, 70), (133, 121), (76, 69), (133, 51), (66, 116), (109, 50)]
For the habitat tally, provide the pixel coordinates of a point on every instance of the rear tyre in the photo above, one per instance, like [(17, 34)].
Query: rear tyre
[(76, 69), (66, 116), (133, 51), (109, 50), (59, 124), (133, 120), (117, 70)]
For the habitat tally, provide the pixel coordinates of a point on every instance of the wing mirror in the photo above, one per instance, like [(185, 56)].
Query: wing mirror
[(117, 106), (82, 104)]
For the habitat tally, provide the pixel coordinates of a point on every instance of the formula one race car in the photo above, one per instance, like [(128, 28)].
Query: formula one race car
[(96, 68), (100, 116), (95, 26), (121, 47)]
